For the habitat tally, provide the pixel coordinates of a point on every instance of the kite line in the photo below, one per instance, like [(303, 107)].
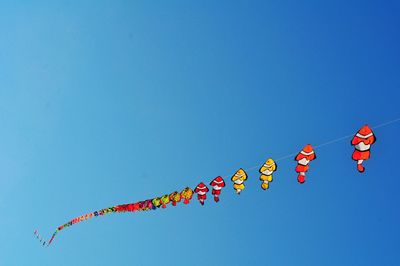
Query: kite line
[(362, 142), (330, 142)]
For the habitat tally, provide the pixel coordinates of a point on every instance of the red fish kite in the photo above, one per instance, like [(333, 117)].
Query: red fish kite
[(303, 158), (201, 191), (362, 142), (217, 184)]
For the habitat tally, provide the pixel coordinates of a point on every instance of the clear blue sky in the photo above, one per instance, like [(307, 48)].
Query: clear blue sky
[(108, 102)]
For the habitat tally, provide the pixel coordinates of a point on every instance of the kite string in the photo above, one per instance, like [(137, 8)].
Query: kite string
[(328, 143), (85, 217), (387, 123)]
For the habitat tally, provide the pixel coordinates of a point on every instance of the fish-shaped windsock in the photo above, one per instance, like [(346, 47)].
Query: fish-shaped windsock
[(201, 191), (127, 207), (266, 171), (217, 184), (156, 202), (137, 206), (147, 205), (303, 158), (362, 142), (175, 197), (238, 180), (187, 195), (164, 201)]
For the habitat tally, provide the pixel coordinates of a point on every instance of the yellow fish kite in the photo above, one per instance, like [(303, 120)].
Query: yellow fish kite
[(266, 172), (238, 180)]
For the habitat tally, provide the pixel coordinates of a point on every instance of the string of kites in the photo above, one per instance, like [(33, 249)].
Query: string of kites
[(361, 141)]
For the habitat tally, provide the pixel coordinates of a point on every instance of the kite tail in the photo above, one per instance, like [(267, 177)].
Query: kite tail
[(72, 222), (52, 237), (40, 238), (139, 206)]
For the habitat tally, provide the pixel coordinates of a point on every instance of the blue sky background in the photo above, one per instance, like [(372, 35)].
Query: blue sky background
[(109, 102)]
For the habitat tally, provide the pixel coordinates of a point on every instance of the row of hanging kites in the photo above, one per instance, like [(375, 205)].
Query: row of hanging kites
[(362, 142)]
